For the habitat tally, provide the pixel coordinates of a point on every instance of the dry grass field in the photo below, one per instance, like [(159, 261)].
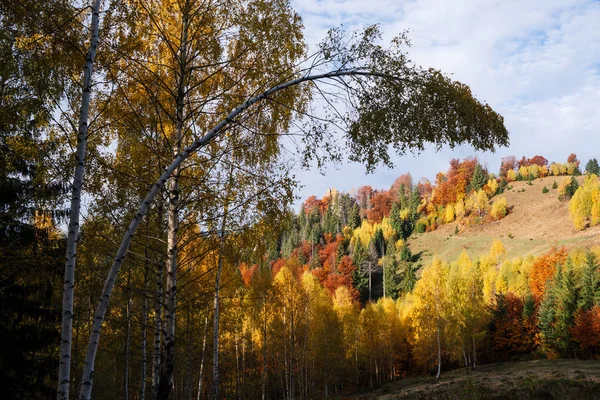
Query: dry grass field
[(540, 379), (536, 222)]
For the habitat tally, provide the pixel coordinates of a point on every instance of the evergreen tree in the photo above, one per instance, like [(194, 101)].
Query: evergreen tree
[(360, 259), (566, 298), (557, 311), (407, 271), (592, 167), (479, 178), (354, 221), (379, 243), (590, 283), (571, 188)]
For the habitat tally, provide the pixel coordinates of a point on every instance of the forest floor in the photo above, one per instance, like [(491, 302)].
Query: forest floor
[(536, 222), (539, 379)]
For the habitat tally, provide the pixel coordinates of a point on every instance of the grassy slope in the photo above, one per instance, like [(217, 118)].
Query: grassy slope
[(540, 379), (537, 221)]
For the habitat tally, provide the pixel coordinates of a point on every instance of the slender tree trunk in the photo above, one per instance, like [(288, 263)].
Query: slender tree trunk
[(264, 353), (203, 358), (439, 349), (216, 303), (370, 269), (474, 354), (127, 336), (187, 387), (66, 335), (166, 380), (466, 361), (145, 323)]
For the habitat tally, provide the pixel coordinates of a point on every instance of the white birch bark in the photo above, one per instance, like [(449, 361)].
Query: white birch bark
[(145, 325), (166, 379), (66, 335), (100, 313), (216, 305), (202, 359)]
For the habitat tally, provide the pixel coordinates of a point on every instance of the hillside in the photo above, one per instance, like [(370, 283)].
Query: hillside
[(540, 379), (537, 221)]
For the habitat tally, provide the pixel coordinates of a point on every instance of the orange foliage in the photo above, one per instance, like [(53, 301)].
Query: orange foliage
[(305, 249), (404, 179), (328, 253), (586, 331), (277, 265), (381, 205), (455, 184), (311, 204), (424, 188), (508, 163), (543, 269), (512, 334), (573, 159), (248, 272)]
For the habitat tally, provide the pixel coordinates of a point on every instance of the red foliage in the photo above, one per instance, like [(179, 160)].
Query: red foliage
[(543, 270), (328, 254), (381, 205), (277, 265), (538, 160), (248, 272), (343, 277), (424, 188), (512, 334), (304, 250), (573, 158), (324, 204), (404, 179), (586, 331), (455, 184), (311, 204), (508, 163)]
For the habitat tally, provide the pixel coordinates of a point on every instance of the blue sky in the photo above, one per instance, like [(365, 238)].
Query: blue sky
[(535, 62)]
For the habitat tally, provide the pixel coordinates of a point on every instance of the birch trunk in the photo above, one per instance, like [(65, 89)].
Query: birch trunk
[(166, 379), (216, 306), (144, 324), (66, 335), (127, 336), (439, 349), (203, 357), (156, 355), (100, 313)]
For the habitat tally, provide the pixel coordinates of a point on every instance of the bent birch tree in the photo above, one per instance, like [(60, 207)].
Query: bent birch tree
[(390, 103)]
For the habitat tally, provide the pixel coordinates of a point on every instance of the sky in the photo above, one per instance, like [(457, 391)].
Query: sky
[(537, 63)]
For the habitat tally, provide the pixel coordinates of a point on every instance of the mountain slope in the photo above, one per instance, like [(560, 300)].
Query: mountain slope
[(537, 221)]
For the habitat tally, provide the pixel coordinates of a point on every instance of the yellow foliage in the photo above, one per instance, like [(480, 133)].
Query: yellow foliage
[(491, 187), (562, 188), (449, 217), (497, 250), (499, 209), (364, 233), (386, 227), (511, 175), (524, 172), (459, 209), (585, 203), (480, 202), (399, 244)]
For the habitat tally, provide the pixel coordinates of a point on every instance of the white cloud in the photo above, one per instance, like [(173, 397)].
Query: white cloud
[(535, 62)]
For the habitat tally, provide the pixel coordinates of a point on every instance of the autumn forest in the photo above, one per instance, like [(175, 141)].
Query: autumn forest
[(153, 244)]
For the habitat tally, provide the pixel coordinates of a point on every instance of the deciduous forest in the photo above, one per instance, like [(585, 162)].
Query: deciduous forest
[(151, 246)]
